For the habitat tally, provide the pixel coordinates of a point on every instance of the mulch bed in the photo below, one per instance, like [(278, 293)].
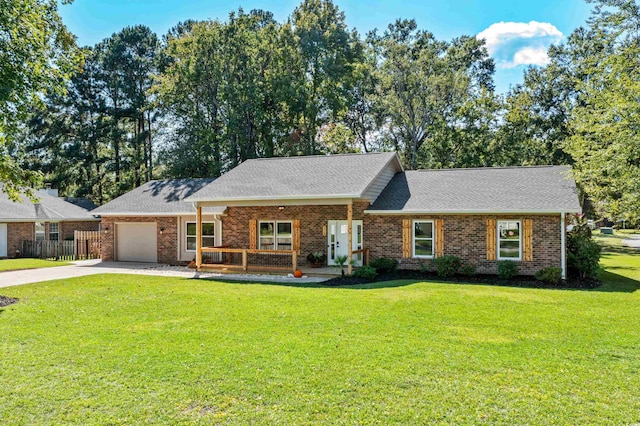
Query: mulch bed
[(6, 301), (519, 281)]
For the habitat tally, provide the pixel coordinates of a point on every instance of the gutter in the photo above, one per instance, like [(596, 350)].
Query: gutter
[(432, 212), (563, 246)]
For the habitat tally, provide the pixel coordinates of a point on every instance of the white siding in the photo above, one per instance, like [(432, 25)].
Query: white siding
[(380, 182)]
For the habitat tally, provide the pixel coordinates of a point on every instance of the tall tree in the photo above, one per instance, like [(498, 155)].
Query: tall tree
[(606, 141), (327, 59), (425, 84), (37, 55)]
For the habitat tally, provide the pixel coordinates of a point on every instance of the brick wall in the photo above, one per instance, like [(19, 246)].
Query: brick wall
[(235, 225), (167, 241), (67, 228), (465, 237), (16, 233)]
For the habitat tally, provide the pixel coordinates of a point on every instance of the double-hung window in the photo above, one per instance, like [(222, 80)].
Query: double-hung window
[(39, 227), (208, 235), (54, 231), (509, 240), (423, 238), (275, 235)]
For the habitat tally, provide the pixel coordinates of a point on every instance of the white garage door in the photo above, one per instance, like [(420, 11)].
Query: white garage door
[(136, 242), (3, 240)]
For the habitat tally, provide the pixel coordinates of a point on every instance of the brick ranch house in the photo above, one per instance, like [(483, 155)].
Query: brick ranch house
[(356, 205), (50, 218)]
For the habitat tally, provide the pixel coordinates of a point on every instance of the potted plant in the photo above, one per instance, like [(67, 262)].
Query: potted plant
[(316, 259)]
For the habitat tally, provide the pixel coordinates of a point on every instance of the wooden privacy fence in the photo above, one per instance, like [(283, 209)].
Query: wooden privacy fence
[(85, 245), (59, 250)]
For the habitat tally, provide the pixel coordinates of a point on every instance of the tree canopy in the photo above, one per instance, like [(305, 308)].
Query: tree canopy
[(211, 94)]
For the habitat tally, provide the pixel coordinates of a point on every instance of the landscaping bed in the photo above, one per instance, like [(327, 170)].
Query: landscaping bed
[(518, 281), (6, 301)]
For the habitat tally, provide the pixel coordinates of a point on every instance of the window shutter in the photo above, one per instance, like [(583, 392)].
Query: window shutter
[(253, 240), (296, 235), (527, 232), (491, 239), (406, 238), (439, 237)]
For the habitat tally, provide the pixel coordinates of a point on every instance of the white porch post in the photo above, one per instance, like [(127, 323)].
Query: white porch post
[(350, 237), (563, 245), (198, 236)]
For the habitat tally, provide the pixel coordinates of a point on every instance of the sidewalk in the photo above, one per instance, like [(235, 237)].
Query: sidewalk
[(93, 267)]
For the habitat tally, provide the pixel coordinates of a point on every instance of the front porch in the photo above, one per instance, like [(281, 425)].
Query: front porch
[(242, 260), (278, 237)]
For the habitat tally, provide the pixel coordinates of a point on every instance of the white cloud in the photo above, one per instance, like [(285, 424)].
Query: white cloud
[(529, 56), (520, 43)]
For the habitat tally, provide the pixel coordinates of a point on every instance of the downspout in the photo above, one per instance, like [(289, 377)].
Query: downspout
[(563, 244)]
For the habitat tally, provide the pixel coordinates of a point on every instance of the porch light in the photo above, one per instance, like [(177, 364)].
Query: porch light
[(161, 231), (280, 207), (106, 230)]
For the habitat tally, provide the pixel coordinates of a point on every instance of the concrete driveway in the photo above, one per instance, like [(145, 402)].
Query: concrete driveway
[(93, 267), (632, 241)]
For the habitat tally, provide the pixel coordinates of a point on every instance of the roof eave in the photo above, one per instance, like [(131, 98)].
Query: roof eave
[(273, 198), (481, 211)]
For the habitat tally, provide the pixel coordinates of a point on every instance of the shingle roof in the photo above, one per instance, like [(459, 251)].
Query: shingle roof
[(491, 190), (46, 208), (158, 197), (316, 176)]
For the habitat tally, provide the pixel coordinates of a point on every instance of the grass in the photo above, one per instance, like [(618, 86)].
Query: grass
[(18, 264), (118, 349), (620, 264)]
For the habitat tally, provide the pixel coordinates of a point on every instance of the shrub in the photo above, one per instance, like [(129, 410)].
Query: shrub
[(467, 269), (447, 266), (583, 254), (549, 275), (425, 268), (316, 257), (507, 269), (368, 272), (383, 265)]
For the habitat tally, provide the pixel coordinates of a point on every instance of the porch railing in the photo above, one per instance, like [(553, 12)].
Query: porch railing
[(244, 259), (365, 255)]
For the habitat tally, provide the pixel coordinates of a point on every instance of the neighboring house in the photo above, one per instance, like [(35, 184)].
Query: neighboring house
[(48, 218), (152, 223), (341, 204)]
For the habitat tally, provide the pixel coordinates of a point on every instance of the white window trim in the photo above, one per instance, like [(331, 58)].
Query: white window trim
[(514, 259), (58, 225), (275, 232), (186, 234), (43, 233), (413, 239)]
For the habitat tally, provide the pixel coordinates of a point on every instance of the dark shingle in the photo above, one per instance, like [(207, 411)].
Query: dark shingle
[(318, 176), (156, 197), (46, 208), (491, 190)]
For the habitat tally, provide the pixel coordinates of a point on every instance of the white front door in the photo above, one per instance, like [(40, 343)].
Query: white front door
[(3, 240), (338, 240)]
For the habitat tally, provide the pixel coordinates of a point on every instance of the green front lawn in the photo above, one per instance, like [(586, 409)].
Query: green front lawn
[(18, 264), (116, 349)]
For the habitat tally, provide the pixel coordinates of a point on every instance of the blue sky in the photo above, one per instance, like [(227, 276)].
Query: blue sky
[(518, 31)]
